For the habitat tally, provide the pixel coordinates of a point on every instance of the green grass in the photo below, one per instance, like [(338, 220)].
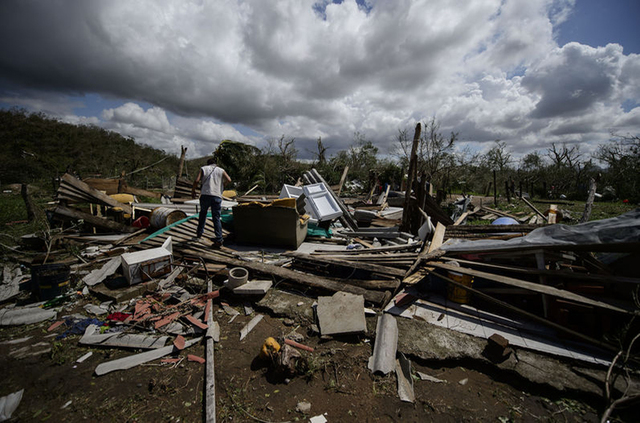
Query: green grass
[(600, 210), (13, 210)]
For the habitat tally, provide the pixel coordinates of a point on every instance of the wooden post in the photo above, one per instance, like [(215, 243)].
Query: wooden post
[(31, 214), (589, 205), (342, 179), (495, 190), (183, 152), (506, 189), (520, 189), (413, 170)]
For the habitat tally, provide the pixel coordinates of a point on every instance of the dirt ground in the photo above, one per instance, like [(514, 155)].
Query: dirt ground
[(337, 383)]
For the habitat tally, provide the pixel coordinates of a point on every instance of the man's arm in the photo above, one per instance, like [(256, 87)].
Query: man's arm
[(195, 184), (226, 179)]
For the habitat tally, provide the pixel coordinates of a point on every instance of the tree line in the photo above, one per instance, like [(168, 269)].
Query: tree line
[(38, 148)]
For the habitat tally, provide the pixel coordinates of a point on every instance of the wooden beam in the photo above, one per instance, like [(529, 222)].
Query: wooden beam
[(584, 277), (342, 179), (385, 270), (531, 316), (93, 220), (411, 175), (542, 289), (534, 209), (291, 275)]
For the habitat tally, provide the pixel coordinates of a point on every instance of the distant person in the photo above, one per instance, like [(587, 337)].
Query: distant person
[(213, 180)]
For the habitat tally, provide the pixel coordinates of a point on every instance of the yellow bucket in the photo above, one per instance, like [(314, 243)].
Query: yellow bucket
[(457, 294)]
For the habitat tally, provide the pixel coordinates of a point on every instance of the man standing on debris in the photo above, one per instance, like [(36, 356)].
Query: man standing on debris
[(213, 180)]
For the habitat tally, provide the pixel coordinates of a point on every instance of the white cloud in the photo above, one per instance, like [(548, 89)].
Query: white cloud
[(488, 69)]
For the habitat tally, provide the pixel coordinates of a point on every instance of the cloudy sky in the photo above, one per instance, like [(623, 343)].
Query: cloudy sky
[(171, 73)]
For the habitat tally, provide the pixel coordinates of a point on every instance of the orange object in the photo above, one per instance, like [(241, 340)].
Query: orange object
[(195, 358), (298, 345), (270, 348)]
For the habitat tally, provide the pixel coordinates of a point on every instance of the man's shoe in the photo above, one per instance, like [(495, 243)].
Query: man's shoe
[(216, 244), (196, 239)]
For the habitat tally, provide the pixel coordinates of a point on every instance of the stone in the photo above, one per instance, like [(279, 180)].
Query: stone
[(303, 407)]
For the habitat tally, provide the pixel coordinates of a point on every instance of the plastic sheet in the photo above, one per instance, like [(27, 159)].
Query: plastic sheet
[(616, 234)]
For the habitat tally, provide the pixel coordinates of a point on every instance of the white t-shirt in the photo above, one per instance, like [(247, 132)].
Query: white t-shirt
[(212, 180)]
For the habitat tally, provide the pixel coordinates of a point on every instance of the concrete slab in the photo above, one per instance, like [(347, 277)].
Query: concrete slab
[(280, 303), (342, 313), (253, 288)]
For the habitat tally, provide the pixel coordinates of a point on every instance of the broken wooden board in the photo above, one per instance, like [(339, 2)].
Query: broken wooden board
[(542, 289), (281, 272), (74, 188), (385, 270)]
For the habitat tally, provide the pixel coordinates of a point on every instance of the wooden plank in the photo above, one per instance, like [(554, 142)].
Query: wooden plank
[(291, 275), (461, 219), (553, 214), (533, 208), (438, 237), (348, 264), (97, 195), (93, 220), (531, 316), (387, 248), (541, 289), (584, 277), (342, 179), (499, 213)]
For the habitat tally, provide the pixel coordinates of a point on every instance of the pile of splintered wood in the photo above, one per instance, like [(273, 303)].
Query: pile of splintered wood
[(73, 190)]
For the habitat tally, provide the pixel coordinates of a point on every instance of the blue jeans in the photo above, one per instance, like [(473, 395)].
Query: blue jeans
[(215, 203)]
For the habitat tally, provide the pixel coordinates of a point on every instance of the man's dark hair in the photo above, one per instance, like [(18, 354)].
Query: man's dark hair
[(211, 161)]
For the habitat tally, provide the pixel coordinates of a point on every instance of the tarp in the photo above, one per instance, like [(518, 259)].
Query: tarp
[(621, 233)]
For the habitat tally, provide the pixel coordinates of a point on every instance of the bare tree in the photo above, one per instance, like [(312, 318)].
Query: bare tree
[(435, 151), (498, 158)]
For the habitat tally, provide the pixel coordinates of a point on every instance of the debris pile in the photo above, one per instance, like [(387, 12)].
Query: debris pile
[(521, 284)]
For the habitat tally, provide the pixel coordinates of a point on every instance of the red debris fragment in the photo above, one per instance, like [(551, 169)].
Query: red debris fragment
[(207, 309), (167, 319), (404, 299), (298, 345), (179, 342), (195, 358), (55, 325), (196, 322)]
